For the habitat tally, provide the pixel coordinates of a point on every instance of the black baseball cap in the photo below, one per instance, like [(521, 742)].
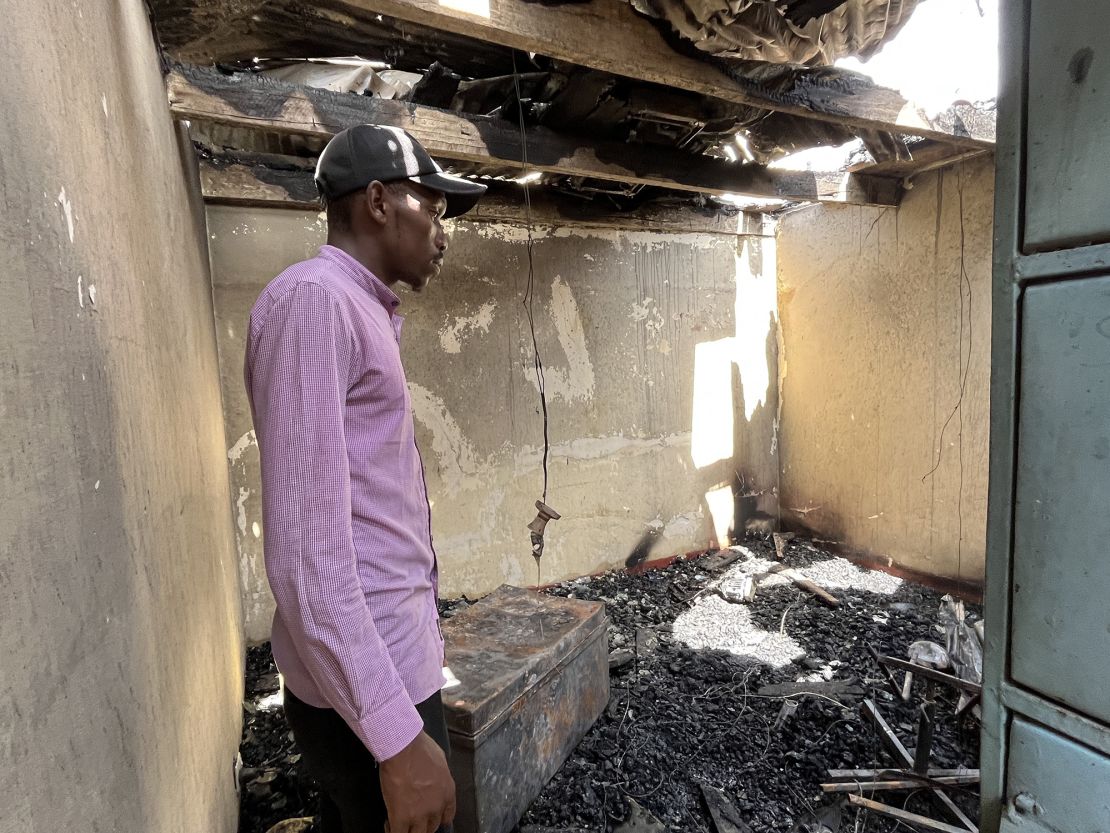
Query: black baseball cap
[(357, 156)]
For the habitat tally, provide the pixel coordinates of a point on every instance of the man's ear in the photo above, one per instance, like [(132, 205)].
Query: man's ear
[(377, 199)]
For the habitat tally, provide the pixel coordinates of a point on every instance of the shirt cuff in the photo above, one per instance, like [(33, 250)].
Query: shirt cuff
[(390, 728)]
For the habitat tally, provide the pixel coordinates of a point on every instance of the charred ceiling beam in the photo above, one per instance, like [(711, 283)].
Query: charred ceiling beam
[(234, 33), (264, 181), (923, 156), (258, 180), (607, 35), (259, 103)]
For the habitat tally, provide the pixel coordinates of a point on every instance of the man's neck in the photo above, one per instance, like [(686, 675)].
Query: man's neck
[(366, 253)]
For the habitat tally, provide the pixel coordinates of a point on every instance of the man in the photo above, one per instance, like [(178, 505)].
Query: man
[(347, 522)]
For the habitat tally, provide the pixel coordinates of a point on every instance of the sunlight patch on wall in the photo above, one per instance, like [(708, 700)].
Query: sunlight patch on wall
[(756, 311), (712, 421), (721, 509)]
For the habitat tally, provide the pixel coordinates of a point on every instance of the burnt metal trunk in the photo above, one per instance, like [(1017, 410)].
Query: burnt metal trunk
[(533, 678)]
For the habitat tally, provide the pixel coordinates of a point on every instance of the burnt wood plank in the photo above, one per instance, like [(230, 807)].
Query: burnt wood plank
[(260, 103), (607, 35)]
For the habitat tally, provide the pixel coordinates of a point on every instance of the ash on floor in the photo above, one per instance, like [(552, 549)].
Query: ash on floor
[(685, 711), (271, 786), (686, 722)]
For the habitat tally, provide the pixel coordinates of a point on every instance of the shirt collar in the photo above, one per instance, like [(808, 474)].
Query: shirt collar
[(362, 276)]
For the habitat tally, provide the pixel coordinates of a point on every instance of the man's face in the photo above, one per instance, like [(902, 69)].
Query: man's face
[(419, 241)]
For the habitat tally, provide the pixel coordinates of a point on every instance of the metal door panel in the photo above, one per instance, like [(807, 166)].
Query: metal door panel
[(1068, 126), (1061, 568), (1054, 784)]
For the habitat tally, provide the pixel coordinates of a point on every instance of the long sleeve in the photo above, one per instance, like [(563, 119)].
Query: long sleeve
[(298, 362)]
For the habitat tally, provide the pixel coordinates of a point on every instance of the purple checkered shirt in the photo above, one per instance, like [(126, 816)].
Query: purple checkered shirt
[(345, 511)]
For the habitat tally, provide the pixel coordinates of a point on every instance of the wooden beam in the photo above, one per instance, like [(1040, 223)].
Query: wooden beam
[(568, 212), (931, 674), (252, 182), (922, 822), (811, 587), (899, 752), (864, 774), (898, 784), (925, 156), (260, 103), (607, 35), (217, 31), (235, 182)]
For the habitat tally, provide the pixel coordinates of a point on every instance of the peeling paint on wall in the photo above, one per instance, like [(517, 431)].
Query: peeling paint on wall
[(241, 445), (641, 310), (575, 381), (67, 210), (685, 526), (622, 239), (459, 465), (599, 448), (258, 604), (647, 313), (453, 334), (241, 510)]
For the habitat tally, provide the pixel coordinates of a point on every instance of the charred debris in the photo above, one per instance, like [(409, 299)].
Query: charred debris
[(759, 688)]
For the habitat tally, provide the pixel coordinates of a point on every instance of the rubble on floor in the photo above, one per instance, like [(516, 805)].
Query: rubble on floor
[(695, 707), (724, 715), (271, 788)]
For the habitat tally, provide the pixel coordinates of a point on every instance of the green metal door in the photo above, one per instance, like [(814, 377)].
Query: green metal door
[(1046, 729)]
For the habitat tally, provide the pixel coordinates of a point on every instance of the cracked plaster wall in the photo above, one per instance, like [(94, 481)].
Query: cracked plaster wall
[(871, 371), (121, 669), (633, 328)]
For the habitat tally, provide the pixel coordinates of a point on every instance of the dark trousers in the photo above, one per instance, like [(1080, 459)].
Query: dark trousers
[(351, 794)]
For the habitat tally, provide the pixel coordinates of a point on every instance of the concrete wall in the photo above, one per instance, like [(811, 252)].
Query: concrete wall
[(874, 351), (660, 353), (120, 649)]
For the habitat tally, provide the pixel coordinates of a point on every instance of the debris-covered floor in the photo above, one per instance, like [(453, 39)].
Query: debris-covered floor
[(691, 719)]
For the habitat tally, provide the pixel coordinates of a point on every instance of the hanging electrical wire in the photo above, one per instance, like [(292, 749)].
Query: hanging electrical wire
[(967, 367), (964, 368), (964, 364), (545, 512)]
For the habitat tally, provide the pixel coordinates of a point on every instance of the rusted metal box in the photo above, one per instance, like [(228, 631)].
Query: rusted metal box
[(533, 676)]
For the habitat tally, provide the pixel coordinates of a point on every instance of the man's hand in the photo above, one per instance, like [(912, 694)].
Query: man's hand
[(418, 789)]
